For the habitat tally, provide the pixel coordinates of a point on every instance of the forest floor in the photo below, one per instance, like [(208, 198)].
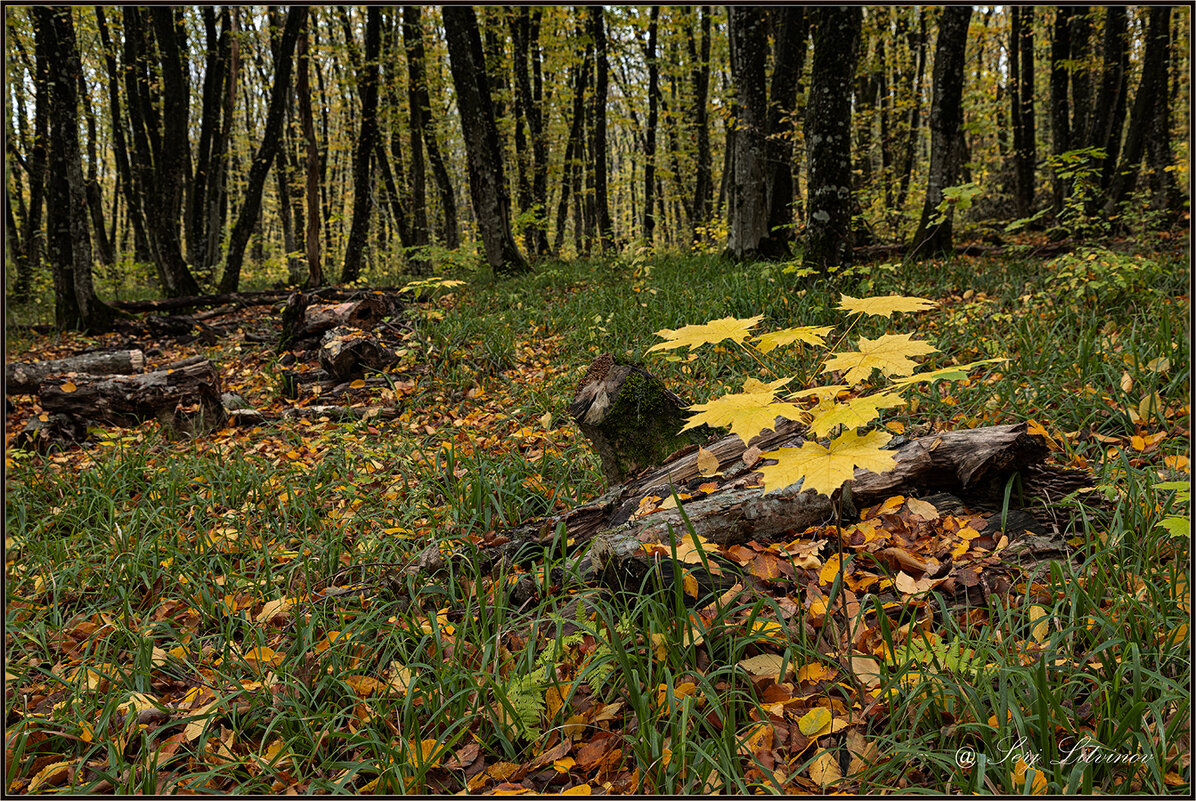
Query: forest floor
[(205, 615)]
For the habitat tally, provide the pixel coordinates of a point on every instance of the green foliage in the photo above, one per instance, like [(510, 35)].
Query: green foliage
[(1081, 170)]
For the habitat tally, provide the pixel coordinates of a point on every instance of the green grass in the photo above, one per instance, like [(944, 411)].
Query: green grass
[(151, 565)]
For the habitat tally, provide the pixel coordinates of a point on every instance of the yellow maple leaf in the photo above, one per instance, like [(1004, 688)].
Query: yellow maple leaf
[(943, 374), (731, 328), (889, 353), (853, 413), (884, 307), (825, 469), (810, 334), (747, 413)]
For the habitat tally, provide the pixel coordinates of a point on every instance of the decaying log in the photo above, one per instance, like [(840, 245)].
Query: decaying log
[(305, 322), (346, 352), (973, 464), (631, 419), (253, 417), (184, 396), (24, 377)]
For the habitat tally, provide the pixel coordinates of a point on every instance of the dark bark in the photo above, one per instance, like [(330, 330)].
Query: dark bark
[(35, 243), (69, 240), (315, 274), (207, 188), (933, 236), (649, 220), (367, 143), (173, 150), (1021, 93), (828, 136), (413, 38), (487, 185), (789, 59), (1104, 128), (536, 117), (1145, 124), (917, 40), (101, 242), (528, 109), (603, 228), (700, 84), (1081, 81), (250, 213), (748, 213), (573, 148), (1060, 109)]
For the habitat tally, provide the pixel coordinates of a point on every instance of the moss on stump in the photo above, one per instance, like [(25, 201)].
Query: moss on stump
[(632, 420)]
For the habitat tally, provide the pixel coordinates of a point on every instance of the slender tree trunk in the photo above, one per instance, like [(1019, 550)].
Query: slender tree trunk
[(250, 213), (700, 81), (95, 199), (315, 275), (749, 214), (413, 38), (1079, 53), (367, 142), (76, 304), (1021, 93), (789, 58), (573, 150), (487, 185), (598, 153), (1060, 111), (1104, 128), (828, 137), (1144, 120), (536, 115), (918, 44), (649, 221), (933, 236)]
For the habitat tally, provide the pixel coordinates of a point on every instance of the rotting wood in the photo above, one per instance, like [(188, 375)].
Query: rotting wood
[(183, 396), (24, 377)]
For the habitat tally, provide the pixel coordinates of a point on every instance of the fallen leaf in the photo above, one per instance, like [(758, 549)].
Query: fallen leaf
[(825, 769)]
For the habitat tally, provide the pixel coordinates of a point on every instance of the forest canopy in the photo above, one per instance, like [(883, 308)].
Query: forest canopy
[(178, 150)]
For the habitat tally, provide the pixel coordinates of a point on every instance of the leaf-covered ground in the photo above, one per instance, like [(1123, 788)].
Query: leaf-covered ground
[(230, 613)]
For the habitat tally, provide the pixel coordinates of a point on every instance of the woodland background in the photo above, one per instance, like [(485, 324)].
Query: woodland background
[(203, 147)]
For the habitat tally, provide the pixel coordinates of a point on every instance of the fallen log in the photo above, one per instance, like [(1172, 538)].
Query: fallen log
[(22, 378), (304, 322), (184, 397)]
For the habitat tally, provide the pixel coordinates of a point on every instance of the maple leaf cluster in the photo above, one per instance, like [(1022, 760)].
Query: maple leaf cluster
[(756, 408)]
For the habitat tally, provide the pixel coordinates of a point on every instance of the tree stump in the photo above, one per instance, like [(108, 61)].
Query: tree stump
[(630, 418), (184, 397), (24, 377), (347, 352)]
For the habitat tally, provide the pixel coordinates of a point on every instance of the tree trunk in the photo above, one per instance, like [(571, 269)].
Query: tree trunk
[(525, 29), (75, 301), (487, 186), (173, 150), (933, 237), (789, 59), (748, 213), (204, 191), (649, 221), (1021, 94), (1104, 129), (315, 274), (250, 213), (1060, 111), (573, 147), (1079, 54), (918, 43), (413, 38), (602, 222), (367, 143), (700, 81), (828, 137)]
